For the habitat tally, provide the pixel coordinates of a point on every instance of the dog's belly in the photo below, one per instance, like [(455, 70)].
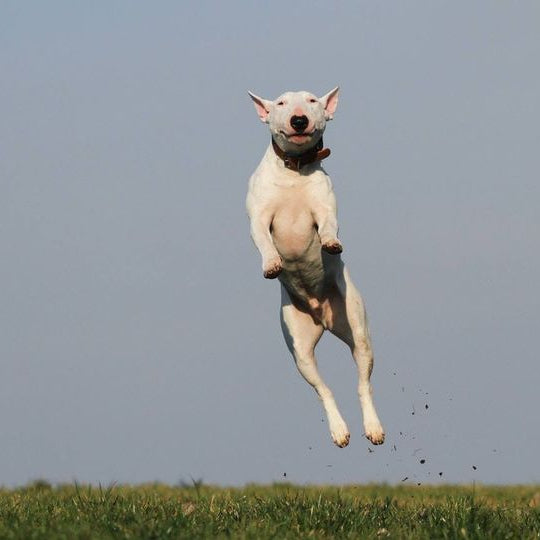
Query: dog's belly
[(304, 278), (297, 241)]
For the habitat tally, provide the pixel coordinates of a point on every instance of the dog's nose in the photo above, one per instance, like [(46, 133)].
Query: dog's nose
[(299, 123)]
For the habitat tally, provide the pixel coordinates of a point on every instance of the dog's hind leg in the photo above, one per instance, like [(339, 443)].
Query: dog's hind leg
[(302, 333), (349, 323)]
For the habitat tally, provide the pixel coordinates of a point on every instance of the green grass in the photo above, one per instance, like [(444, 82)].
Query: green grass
[(280, 511)]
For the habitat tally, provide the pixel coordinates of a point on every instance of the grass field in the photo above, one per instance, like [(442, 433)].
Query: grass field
[(279, 511)]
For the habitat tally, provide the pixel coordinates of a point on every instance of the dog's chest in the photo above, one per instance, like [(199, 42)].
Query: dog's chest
[(293, 226)]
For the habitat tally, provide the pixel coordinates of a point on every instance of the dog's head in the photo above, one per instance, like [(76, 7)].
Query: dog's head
[(297, 119)]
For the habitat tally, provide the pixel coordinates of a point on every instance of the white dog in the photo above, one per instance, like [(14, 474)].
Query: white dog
[(292, 209)]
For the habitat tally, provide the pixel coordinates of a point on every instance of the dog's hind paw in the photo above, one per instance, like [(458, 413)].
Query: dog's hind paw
[(340, 432), (375, 434), (341, 441)]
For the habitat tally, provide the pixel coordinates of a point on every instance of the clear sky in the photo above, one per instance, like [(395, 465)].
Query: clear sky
[(138, 339)]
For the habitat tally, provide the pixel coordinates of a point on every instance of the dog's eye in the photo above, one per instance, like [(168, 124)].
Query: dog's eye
[(281, 103), (312, 100)]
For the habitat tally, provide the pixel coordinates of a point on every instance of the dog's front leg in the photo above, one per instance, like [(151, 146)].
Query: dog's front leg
[(325, 214), (262, 238)]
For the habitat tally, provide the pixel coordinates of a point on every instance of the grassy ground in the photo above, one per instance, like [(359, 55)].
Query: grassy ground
[(280, 511)]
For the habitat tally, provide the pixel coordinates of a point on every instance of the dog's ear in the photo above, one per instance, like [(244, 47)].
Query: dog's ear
[(329, 102), (262, 106)]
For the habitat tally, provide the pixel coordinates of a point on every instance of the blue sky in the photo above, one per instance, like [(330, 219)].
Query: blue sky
[(139, 340)]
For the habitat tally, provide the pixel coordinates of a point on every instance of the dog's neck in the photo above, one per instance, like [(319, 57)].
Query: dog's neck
[(295, 163)]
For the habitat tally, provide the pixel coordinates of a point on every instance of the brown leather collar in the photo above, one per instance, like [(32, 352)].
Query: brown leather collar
[(295, 163)]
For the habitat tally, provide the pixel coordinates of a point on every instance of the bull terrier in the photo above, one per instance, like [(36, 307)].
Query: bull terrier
[(292, 211)]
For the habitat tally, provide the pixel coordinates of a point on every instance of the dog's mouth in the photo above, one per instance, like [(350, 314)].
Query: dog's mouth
[(298, 138)]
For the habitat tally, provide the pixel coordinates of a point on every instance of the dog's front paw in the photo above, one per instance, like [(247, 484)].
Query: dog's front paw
[(332, 246), (272, 268)]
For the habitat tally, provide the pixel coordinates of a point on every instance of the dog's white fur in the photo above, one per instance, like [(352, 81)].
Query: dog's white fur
[(294, 226)]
